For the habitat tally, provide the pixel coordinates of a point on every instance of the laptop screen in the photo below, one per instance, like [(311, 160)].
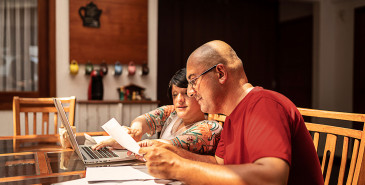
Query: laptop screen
[(67, 125)]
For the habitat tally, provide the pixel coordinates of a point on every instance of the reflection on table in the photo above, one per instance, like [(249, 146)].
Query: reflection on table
[(39, 162)]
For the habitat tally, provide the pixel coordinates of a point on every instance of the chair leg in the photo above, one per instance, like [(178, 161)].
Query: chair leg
[(15, 147)]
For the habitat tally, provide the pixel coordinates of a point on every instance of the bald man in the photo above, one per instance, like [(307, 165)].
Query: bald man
[(264, 138)]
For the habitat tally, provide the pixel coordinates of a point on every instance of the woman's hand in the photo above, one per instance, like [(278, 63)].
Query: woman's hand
[(136, 134), (109, 142)]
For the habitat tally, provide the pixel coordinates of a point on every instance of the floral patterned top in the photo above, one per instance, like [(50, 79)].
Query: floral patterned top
[(201, 137)]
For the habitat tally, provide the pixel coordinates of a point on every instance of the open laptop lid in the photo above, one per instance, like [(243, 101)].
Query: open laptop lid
[(67, 125)]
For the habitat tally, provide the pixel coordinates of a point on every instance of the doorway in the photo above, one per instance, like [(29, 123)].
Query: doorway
[(294, 64), (359, 61)]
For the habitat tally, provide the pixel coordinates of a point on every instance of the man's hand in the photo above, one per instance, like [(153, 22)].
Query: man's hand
[(147, 143), (161, 162)]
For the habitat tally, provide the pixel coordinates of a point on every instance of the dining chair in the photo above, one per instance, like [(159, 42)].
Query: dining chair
[(340, 148), (34, 116)]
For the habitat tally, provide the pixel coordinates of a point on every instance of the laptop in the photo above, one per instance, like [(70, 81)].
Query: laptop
[(85, 153)]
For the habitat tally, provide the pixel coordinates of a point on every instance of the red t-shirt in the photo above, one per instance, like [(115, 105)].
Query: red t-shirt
[(267, 124)]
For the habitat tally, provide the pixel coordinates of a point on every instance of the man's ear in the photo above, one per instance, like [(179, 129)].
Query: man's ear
[(222, 73)]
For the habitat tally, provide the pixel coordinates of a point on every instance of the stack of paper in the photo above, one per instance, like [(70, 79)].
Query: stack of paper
[(141, 182), (118, 175)]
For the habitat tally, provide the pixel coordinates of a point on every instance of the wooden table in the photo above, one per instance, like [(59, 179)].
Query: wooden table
[(46, 165)]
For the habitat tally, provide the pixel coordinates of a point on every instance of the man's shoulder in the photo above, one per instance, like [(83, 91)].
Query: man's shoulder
[(260, 93), (265, 98)]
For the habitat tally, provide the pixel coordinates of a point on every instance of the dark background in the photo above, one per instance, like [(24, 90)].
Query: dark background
[(276, 56)]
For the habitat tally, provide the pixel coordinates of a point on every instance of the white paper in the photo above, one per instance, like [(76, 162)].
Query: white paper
[(126, 175), (117, 173), (83, 181), (73, 182), (113, 128)]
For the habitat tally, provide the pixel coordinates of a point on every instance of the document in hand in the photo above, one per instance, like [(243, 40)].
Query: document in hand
[(113, 128)]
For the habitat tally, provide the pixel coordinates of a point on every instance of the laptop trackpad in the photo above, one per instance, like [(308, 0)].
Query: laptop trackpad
[(123, 154)]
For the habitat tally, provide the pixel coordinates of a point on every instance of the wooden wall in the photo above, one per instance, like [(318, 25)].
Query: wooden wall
[(122, 35)]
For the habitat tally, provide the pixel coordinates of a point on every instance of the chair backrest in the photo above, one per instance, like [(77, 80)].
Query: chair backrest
[(342, 147), (217, 117), (43, 107)]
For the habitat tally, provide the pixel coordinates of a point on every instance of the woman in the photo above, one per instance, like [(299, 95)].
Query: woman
[(182, 124)]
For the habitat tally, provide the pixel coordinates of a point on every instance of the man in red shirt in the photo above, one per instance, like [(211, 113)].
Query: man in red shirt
[(264, 138)]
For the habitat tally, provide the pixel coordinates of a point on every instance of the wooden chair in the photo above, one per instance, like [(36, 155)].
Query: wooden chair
[(27, 110), (217, 117), (346, 163)]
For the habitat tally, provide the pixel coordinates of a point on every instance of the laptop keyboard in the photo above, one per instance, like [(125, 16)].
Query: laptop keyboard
[(97, 154)]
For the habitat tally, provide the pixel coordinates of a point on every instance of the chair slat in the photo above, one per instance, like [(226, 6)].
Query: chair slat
[(16, 118), (45, 123), (55, 121), (34, 123), (211, 116), (26, 123), (40, 109), (332, 115), (345, 147), (330, 147), (42, 129), (353, 161), (359, 161), (220, 118), (334, 130), (316, 140)]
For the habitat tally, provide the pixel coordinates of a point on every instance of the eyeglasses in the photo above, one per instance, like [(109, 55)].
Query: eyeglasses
[(192, 82)]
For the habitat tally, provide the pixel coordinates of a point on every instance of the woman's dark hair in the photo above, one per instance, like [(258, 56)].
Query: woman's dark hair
[(179, 79)]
